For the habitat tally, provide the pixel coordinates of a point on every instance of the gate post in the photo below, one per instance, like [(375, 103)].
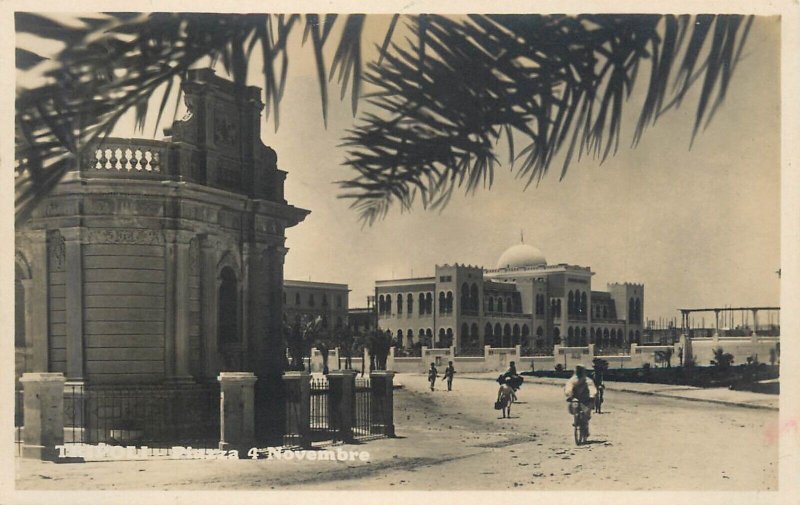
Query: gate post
[(342, 399), (298, 407), (381, 382), (237, 416), (43, 404)]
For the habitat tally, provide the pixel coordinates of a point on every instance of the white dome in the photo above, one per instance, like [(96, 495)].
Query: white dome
[(521, 255)]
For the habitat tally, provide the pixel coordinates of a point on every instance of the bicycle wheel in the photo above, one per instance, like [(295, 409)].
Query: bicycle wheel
[(584, 432), (577, 435)]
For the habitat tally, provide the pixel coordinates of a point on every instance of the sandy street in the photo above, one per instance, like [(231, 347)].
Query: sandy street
[(455, 440)]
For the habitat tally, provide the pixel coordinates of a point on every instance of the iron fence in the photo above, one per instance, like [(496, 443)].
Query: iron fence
[(152, 416), (363, 418), (320, 419)]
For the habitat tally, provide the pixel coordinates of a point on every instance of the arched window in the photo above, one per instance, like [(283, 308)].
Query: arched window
[(613, 335), (448, 337), (441, 336), (399, 304), (422, 305), (516, 330), (449, 302), (400, 338), (583, 337), (637, 311), (507, 330), (428, 337), (297, 300), (583, 303), (558, 307), (525, 330), (389, 304), (465, 303), (498, 330), (311, 301), (410, 303), (228, 307), (539, 331), (429, 303), (605, 312), (570, 333), (631, 310), (499, 305), (509, 307), (473, 296), (591, 336), (421, 335), (570, 304), (556, 336), (324, 300), (410, 337), (490, 307), (464, 332), (637, 336), (487, 332), (442, 303)]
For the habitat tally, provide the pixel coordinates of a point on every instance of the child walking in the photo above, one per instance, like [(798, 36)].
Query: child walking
[(432, 374), (504, 397), (448, 374)]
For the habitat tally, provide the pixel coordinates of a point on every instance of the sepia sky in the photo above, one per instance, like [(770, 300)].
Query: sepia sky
[(698, 227)]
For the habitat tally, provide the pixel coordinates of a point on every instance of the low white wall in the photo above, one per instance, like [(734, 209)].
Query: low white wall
[(740, 347)]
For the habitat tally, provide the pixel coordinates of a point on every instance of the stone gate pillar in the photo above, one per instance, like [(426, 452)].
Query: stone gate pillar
[(298, 408), (342, 402), (43, 404), (237, 416), (382, 401)]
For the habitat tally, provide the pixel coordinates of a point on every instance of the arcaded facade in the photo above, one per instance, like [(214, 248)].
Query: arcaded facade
[(522, 301)]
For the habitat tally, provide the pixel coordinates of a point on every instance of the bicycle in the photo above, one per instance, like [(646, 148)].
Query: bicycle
[(580, 421)]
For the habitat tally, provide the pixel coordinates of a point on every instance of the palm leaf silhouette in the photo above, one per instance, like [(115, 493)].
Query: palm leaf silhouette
[(437, 104)]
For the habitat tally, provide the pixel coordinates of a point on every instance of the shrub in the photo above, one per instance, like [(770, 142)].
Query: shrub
[(559, 367)]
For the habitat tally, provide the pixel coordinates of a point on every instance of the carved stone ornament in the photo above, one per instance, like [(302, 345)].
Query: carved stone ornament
[(194, 255), (124, 236), (56, 251)]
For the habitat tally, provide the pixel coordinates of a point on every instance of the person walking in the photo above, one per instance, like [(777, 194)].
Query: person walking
[(448, 374), (504, 397), (432, 374)]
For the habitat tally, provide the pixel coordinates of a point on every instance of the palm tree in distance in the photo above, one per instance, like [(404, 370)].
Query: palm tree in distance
[(437, 103)]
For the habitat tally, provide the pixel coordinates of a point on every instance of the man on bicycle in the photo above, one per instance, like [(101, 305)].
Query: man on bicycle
[(581, 387)]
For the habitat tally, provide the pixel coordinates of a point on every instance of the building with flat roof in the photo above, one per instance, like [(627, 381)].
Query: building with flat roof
[(522, 301), (326, 300)]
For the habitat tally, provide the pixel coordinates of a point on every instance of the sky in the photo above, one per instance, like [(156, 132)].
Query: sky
[(698, 227)]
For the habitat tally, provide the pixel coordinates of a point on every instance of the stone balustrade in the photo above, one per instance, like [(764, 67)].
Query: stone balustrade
[(127, 157)]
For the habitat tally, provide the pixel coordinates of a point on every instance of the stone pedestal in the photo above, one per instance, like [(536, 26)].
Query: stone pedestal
[(237, 417), (382, 401), (43, 403), (341, 406), (298, 407)]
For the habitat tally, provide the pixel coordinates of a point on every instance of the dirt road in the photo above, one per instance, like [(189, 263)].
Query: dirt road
[(455, 440)]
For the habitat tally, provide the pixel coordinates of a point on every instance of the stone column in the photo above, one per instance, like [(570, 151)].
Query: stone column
[(382, 401), (716, 323), (298, 407), (38, 301), (755, 325), (43, 404), (341, 406), (208, 296), (237, 416), (74, 302), (181, 372)]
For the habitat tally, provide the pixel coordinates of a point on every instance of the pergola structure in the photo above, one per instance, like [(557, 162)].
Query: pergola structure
[(686, 314)]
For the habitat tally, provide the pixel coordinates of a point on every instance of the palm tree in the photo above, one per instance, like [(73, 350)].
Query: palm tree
[(722, 360), (437, 103)]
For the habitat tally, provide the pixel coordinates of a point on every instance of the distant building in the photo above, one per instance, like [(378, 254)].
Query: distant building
[(523, 301), (325, 300), (362, 320)]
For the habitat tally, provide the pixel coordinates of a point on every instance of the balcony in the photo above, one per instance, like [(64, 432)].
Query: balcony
[(128, 158)]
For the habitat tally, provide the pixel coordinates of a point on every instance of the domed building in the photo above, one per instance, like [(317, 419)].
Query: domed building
[(522, 301)]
